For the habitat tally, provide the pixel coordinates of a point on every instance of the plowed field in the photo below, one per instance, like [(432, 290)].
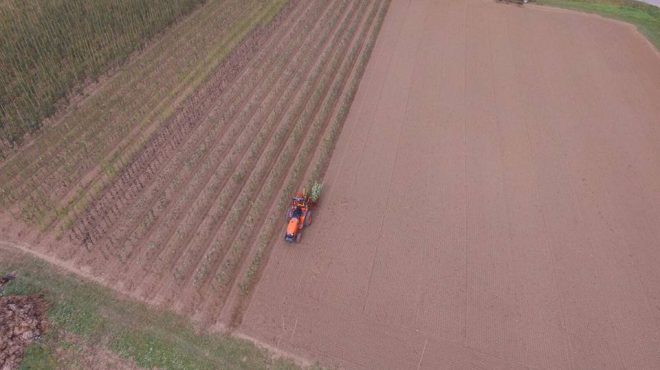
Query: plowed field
[(171, 180), (493, 201)]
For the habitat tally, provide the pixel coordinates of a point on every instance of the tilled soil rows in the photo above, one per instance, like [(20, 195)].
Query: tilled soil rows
[(181, 208)]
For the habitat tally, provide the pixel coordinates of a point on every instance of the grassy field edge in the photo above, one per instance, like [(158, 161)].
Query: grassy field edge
[(147, 337), (645, 17)]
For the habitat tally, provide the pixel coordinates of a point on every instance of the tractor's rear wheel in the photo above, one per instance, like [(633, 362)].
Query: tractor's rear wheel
[(308, 218), (289, 214)]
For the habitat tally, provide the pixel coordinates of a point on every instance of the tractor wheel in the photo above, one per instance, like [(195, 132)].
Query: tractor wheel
[(308, 218), (289, 214), (298, 237)]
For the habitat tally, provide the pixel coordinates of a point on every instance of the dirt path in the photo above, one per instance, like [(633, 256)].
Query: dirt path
[(493, 201), (66, 266)]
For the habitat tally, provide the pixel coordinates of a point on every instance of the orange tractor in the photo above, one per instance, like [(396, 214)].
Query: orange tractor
[(298, 216)]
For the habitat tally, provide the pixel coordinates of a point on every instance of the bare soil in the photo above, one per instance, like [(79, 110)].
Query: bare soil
[(493, 201)]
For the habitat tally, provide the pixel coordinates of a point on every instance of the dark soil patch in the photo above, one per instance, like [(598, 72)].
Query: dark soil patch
[(22, 321)]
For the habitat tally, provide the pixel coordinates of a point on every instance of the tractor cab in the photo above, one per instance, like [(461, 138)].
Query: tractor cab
[(298, 216)]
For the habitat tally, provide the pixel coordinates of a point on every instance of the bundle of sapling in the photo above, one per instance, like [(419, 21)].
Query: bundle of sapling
[(315, 193)]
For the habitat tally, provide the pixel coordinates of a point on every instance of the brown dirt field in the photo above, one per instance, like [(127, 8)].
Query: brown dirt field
[(493, 201)]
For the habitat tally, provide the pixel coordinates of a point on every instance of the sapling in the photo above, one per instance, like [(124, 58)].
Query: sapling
[(315, 193)]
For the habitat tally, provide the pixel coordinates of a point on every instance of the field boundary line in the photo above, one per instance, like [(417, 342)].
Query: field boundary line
[(64, 265), (632, 26), (277, 352)]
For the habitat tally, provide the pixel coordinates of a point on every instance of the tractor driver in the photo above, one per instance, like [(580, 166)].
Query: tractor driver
[(299, 203)]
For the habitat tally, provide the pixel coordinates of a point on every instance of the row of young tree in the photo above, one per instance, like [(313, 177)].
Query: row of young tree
[(48, 47)]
